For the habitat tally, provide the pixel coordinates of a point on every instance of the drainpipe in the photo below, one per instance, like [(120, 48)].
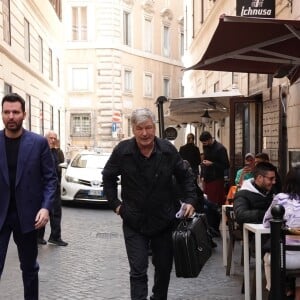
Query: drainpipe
[(283, 143), (160, 106)]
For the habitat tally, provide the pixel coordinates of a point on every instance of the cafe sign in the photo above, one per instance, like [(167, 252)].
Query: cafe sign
[(255, 8)]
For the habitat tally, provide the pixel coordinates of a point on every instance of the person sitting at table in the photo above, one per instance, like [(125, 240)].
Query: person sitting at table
[(255, 196), (290, 200), (261, 157), (245, 172)]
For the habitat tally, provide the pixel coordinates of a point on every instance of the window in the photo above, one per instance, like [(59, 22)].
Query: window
[(79, 23), (181, 44), (41, 109), (41, 55), (80, 79), (217, 86), (128, 81), (58, 122), (28, 112), (80, 125), (51, 117), (26, 40), (166, 87), (7, 88), (126, 28), (50, 65), (235, 79), (166, 41), (181, 90), (6, 21), (148, 35), (148, 85), (58, 70)]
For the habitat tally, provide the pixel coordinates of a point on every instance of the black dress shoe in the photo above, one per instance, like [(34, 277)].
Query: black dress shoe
[(58, 242), (41, 241)]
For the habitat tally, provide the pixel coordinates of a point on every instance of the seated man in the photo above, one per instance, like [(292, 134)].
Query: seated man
[(255, 196), (261, 157)]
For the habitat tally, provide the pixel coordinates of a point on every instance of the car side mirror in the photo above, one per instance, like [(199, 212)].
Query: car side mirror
[(63, 165)]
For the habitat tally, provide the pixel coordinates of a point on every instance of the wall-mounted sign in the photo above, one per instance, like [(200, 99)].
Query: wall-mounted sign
[(170, 133), (255, 8)]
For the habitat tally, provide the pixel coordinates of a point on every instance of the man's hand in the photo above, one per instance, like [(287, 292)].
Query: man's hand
[(188, 210), (41, 218), (207, 162)]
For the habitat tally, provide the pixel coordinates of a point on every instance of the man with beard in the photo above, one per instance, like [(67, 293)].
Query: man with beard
[(213, 166), (27, 184), (255, 196)]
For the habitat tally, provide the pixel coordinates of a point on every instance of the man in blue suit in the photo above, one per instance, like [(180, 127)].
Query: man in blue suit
[(27, 184)]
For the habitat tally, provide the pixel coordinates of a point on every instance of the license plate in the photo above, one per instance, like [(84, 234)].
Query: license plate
[(96, 193)]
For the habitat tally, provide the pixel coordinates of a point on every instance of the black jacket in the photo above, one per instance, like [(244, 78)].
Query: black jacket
[(250, 204), (216, 153), (147, 206), (191, 153)]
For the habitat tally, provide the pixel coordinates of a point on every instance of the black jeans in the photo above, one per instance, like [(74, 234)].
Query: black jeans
[(137, 246), (27, 251)]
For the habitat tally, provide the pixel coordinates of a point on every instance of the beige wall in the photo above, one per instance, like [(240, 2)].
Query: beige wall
[(109, 58), (24, 76)]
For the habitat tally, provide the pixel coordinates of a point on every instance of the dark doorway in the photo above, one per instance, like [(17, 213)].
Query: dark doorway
[(245, 130)]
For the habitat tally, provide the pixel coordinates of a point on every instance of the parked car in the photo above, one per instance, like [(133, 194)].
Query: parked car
[(82, 179)]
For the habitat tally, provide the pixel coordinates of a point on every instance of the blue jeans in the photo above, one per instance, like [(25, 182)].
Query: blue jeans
[(27, 251)]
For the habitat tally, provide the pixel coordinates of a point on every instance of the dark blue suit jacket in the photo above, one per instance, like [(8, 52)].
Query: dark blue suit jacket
[(36, 180)]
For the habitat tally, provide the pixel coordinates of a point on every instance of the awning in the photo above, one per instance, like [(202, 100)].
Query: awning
[(254, 45), (190, 109)]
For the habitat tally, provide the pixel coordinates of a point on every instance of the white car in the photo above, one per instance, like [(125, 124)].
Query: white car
[(82, 179)]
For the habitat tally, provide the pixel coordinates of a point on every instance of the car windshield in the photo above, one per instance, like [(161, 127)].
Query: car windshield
[(89, 161)]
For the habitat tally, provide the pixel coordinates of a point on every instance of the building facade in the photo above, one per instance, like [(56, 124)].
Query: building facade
[(120, 55), (31, 60), (268, 120)]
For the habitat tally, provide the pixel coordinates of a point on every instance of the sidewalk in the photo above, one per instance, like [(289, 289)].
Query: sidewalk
[(94, 266)]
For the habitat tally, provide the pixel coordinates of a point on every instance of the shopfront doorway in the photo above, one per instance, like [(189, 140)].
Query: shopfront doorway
[(245, 130)]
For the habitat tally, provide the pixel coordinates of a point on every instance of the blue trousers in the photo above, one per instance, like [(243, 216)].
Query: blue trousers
[(137, 246), (27, 251)]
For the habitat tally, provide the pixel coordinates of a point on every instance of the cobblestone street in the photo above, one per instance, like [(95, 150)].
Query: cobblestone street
[(94, 265)]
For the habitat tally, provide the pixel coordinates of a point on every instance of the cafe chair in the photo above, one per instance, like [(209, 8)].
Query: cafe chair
[(291, 274), (235, 235)]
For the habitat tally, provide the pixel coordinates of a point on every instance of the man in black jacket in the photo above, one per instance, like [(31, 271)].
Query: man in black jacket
[(213, 166), (147, 165), (255, 196)]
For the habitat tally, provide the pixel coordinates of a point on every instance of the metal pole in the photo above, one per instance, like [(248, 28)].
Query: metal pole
[(277, 291), (160, 105)]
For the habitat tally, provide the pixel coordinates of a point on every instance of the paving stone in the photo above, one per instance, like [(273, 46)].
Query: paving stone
[(94, 265)]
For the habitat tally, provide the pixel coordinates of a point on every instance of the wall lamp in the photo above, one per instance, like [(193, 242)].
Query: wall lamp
[(206, 117)]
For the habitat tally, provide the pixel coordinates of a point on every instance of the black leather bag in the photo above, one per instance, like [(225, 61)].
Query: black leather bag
[(192, 246)]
